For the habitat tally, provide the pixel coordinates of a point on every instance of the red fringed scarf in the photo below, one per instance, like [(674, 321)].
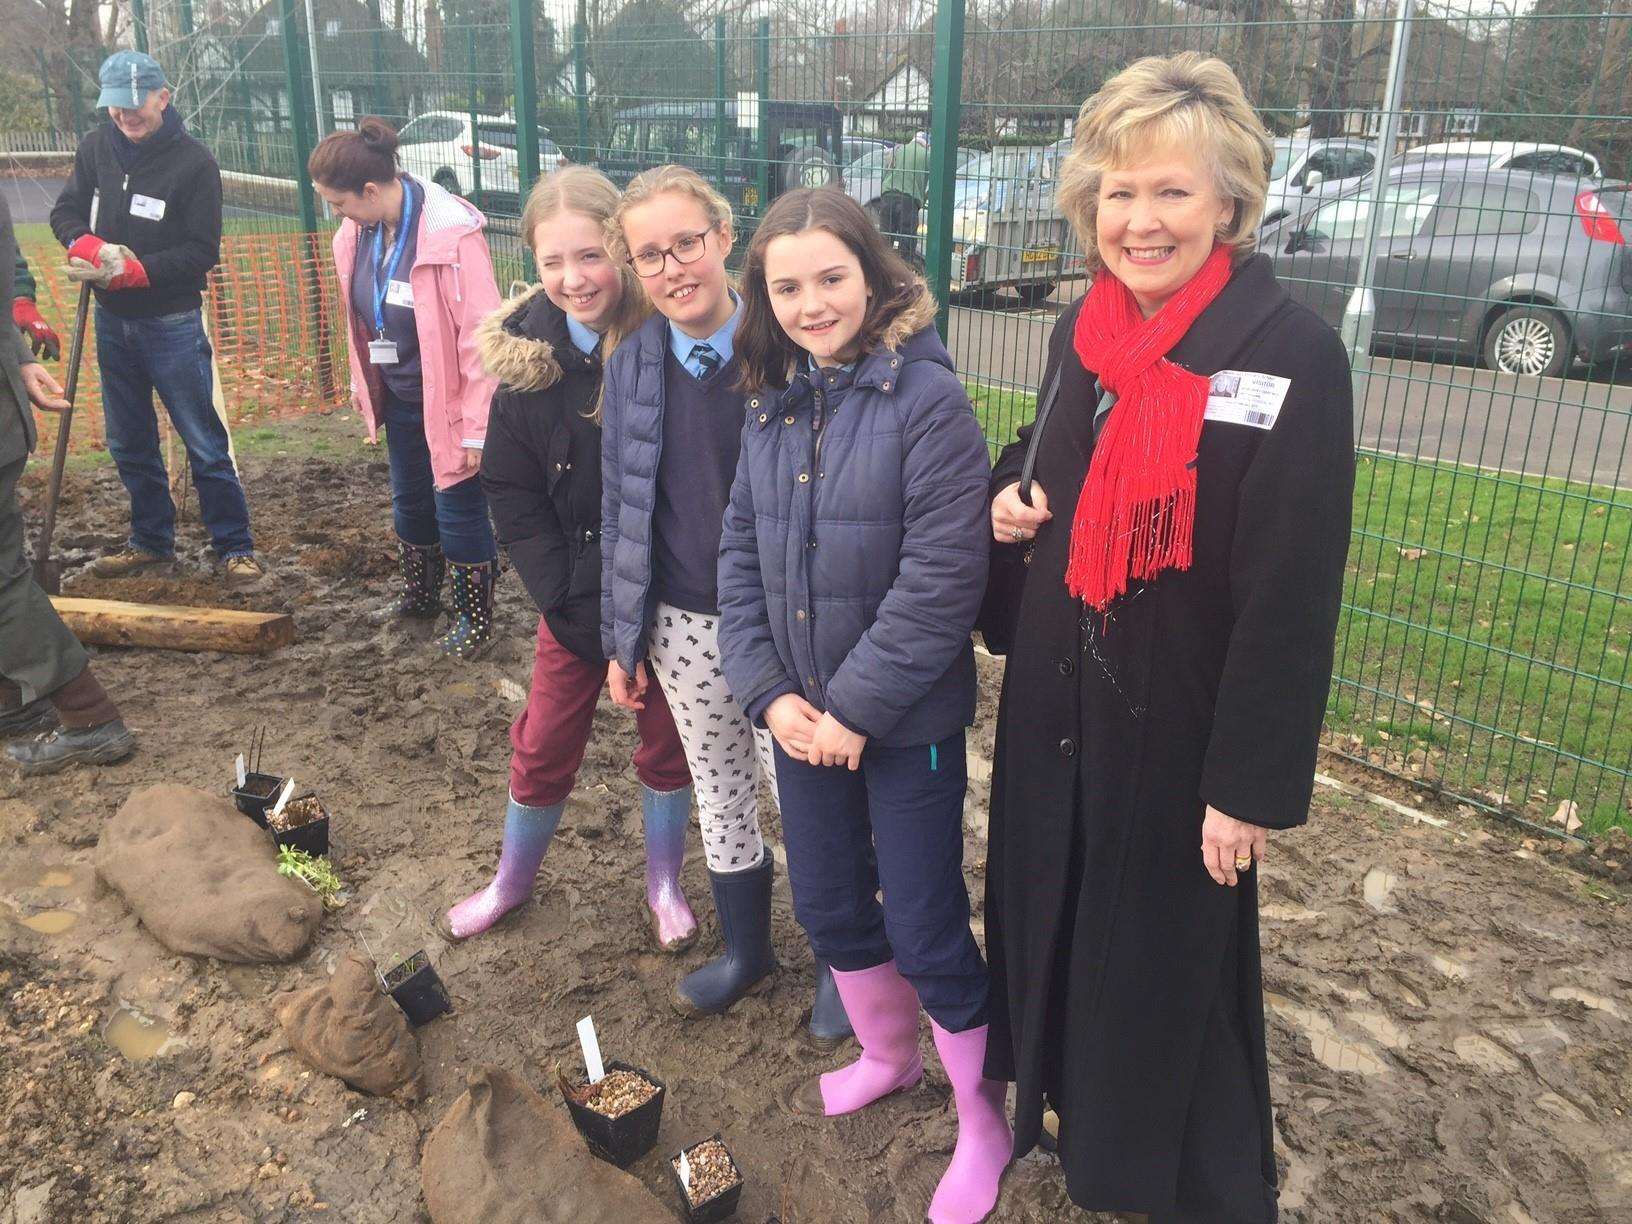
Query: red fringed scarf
[(1137, 511)]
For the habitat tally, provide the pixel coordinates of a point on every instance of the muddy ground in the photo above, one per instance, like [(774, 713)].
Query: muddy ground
[(1449, 1006)]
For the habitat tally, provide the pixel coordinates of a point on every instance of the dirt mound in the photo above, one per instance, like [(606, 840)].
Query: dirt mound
[(203, 878), (344, 1026), (502, 1155)]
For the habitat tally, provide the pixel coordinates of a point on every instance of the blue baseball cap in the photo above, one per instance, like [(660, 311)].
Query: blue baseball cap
[(127, 77)]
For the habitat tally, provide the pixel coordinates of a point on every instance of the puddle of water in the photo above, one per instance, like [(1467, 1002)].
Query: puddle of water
[(1574, 994), (1379, 883), (1485, 1053), (135, 1035), (56, 879), (1330, 1048), (51, 921)]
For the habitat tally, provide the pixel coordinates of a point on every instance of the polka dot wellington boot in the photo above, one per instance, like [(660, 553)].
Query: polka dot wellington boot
[(472, 630)]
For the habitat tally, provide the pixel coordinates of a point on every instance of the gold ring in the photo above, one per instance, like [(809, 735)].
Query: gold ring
[(1242, 862), (1019, 533)]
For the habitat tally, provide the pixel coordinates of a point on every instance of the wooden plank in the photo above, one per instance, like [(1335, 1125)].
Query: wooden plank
[(111, 622)]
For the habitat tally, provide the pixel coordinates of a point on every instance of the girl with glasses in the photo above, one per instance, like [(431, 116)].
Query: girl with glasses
[(670, 439)]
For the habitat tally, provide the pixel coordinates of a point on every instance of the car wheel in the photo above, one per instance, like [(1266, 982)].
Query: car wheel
[(809, 167), (448, 181), (1530, 340)]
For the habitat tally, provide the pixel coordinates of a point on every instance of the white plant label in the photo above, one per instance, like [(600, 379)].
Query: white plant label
[(283, 797), (592, 1049), (242, 776), (685, 1172)]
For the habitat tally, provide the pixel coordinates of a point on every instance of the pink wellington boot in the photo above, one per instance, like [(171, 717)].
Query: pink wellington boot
[(883, 1010), (968, 1189)]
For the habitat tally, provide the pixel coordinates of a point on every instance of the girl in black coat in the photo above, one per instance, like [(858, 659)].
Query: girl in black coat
[(541, 470), (1168, 604)]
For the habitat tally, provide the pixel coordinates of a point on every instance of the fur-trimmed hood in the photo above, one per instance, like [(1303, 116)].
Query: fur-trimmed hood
[(517, 342), (919, 314)]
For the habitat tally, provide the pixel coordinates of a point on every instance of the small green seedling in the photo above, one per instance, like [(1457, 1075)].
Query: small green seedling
[(316, 872)]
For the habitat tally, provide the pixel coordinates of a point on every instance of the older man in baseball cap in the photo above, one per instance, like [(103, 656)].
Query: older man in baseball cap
[(141, 218)]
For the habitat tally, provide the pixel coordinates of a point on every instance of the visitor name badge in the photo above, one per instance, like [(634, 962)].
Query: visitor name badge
[(382, 352), (146, 207), (400, 293), (1242, 397)]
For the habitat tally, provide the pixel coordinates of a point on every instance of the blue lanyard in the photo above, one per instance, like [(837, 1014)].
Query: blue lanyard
[(384, 275)]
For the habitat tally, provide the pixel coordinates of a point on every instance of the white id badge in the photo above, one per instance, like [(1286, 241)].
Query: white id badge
[(382, 352), (147, 207), (399, 293), (1242, 397)]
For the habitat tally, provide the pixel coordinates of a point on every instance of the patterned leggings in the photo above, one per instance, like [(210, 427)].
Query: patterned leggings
[(726, 754)]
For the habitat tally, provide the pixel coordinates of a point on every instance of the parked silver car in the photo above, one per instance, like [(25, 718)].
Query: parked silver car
[(1522, 271), (1305, 167)]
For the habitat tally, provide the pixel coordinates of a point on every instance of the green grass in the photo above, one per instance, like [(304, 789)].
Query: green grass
[(1486, 629)]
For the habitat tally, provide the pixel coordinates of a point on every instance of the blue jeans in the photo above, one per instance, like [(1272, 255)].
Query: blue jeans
[(424, 515), (907, 805), (169, 354)]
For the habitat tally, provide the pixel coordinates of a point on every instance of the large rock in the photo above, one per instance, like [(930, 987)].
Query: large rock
[(346, 1027), (204, 878), (503, 1156)]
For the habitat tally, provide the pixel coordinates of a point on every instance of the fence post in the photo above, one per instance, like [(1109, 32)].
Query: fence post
[(316, 70), (300, 127), (185, 30), (946, 102), (1360, 313), (722, 121), (762, 57), (138, 21), (377, 55), (521, 45), (580, 81), (475, 131), (300, 135)]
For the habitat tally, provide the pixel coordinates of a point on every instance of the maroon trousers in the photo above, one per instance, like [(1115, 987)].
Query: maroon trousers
[(551, 734)]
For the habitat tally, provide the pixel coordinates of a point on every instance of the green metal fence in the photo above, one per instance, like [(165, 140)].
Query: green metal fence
[(1486, 631)]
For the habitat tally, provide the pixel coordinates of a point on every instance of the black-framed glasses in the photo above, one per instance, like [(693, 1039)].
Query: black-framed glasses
[(688, 248)]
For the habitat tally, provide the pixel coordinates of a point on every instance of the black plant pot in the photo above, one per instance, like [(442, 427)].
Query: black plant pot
[(312, 837), (619, 1141), (420, 994), (249, 799), (723, 1205)]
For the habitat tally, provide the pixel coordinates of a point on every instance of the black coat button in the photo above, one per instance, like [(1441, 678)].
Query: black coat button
[(1068, 748), (1066, 667)]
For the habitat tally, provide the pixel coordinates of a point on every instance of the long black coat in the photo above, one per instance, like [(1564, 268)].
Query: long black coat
[(541, 467), (1122, 975)]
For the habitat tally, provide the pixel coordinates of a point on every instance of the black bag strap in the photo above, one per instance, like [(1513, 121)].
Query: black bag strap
[(1045, 408)]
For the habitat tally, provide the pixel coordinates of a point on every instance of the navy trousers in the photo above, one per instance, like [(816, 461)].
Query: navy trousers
[(455, 517), (895, 822)]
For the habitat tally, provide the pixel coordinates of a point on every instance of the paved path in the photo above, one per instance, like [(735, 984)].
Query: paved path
[(1564, 427)]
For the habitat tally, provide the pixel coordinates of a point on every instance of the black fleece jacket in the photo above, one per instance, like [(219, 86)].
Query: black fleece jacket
[(541, 467), (176, 175)]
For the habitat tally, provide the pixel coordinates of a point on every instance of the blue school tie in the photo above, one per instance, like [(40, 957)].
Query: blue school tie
[(705, 359)]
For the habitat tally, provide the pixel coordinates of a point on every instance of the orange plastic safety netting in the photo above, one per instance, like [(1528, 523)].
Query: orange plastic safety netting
[(272, 310)]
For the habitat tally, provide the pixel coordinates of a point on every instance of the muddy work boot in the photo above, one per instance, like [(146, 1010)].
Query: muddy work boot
[(243, 572), (472, 596), (128, 562), (421, 567), (99, 745), (27, 719)]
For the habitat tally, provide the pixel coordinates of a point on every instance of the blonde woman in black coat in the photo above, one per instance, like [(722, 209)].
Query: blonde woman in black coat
[(1168, 602)]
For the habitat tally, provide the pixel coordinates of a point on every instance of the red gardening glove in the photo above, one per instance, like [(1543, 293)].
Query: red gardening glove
[(87, 247), (41, 338), (134, 275)]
